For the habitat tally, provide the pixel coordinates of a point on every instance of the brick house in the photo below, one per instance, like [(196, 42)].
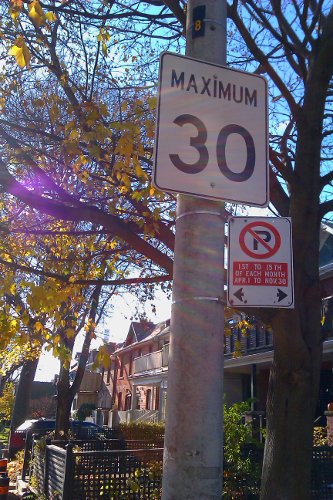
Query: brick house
[(141, 352), (136, 382), (142, 362)]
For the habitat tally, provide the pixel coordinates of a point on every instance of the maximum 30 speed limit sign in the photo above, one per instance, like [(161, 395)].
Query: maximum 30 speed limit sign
[(212, 131)]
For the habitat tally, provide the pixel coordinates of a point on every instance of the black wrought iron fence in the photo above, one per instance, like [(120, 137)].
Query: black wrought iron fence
[(85, 471), (132, 474), (322, 473)]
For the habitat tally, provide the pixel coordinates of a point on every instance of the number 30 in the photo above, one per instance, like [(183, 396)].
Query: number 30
[(198, 142)]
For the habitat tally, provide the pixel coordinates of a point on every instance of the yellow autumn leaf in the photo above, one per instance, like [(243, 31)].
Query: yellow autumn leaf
[(152, 102), (138, 170), (126, 181), (21, 52), (15, 9), (51, 17), (25, 318), (14, 14), (14, 323), (54, 113), (36, 13), (38, 326), (70, 332)]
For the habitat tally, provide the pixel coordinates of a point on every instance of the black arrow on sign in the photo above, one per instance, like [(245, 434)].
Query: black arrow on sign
[(281, 295), (239, 294)]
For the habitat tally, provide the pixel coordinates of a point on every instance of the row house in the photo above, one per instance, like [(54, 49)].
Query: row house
[(96, 385), (135, 385), (141, 370), (141, 364)]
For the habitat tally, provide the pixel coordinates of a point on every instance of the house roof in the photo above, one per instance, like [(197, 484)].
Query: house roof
[(138, 331), (148, 332), (159, 331)]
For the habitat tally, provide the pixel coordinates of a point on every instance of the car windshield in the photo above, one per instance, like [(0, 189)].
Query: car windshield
[(26, 425), (50, 425)]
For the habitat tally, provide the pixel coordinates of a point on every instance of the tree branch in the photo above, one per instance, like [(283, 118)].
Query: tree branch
[(84, 213)]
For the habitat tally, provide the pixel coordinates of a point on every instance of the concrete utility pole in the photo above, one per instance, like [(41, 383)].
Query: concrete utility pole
[(194, 428)]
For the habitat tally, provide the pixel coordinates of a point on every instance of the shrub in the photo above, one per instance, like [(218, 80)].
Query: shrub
[(85, 410), (320, 436), (242, 455), (142, 430), (7, 402), (14, 467)]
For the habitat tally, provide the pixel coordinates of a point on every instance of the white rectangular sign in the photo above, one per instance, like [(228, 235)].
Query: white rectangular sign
[(260, 264), (212, 131)]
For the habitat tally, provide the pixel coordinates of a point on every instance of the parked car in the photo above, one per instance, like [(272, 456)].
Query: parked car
[(81, 430)]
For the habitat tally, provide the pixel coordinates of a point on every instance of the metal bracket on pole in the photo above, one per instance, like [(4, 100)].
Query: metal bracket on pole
[(196, 212), (220, 300)]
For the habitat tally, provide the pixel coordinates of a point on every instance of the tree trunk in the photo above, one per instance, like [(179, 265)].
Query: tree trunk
[(295, 374), (291, 402), (23, 394), (64, 403), (65, 391)]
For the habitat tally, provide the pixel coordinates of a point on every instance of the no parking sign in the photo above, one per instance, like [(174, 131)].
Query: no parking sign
[(260, 267)]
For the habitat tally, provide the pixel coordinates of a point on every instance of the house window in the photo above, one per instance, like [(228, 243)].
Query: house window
[(130, 368), (120, 402), (128, 401), (148, 399), (157, 398), (121, 373), (138, 400)]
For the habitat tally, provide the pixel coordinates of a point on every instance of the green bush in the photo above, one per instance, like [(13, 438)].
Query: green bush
[(242, 455), (85, 410), (142, 430)]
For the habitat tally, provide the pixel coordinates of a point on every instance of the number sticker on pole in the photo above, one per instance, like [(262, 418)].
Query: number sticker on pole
[(212, 131)]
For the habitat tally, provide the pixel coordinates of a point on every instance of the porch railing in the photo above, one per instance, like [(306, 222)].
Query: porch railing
[(253, 340), (153, 361)]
